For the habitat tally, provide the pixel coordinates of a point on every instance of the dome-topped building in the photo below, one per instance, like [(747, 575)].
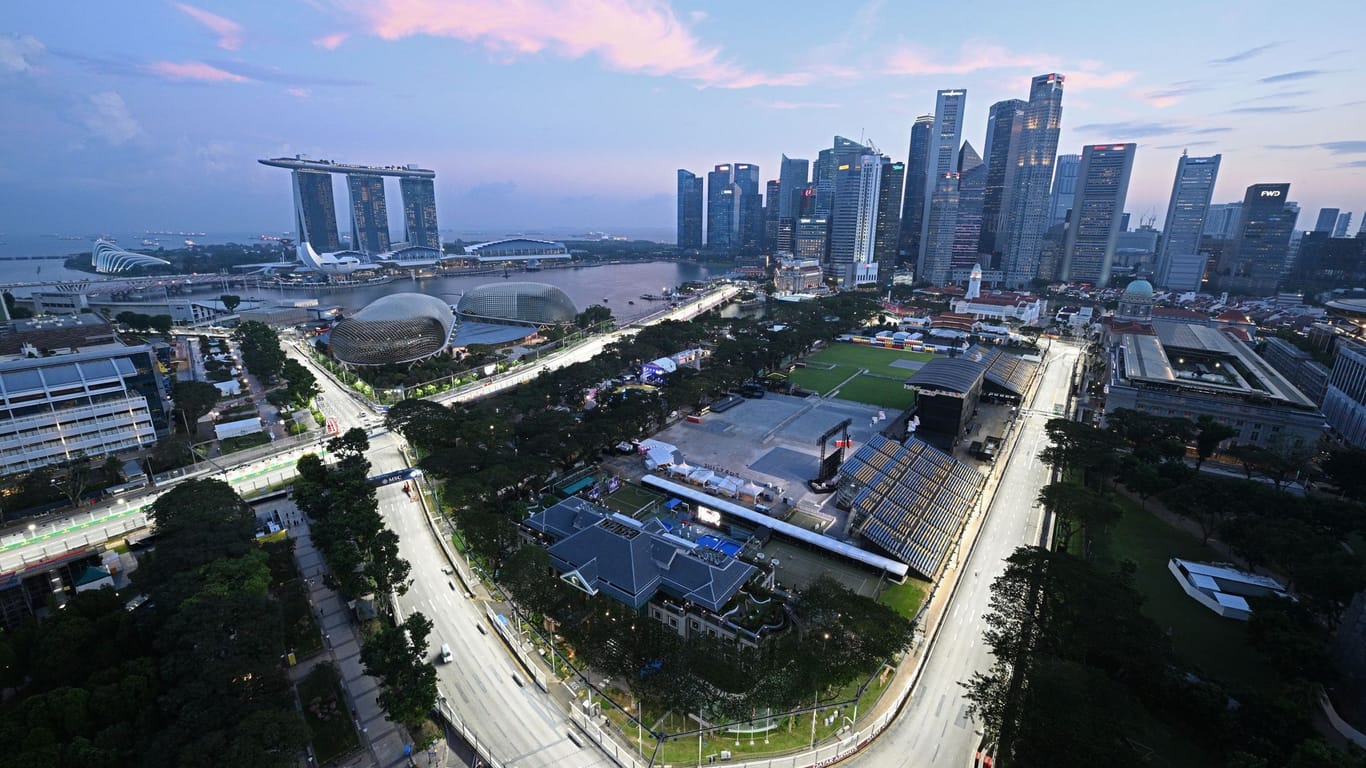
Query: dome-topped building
[(1136, 303), (398, 328), (534, 303)]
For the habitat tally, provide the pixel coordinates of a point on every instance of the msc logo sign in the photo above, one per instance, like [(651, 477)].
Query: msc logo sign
[(1271, 193)]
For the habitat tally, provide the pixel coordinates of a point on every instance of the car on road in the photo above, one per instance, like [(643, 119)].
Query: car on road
[(446, 656)]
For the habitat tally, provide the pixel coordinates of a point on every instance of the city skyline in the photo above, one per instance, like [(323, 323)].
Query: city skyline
[(152, 116)]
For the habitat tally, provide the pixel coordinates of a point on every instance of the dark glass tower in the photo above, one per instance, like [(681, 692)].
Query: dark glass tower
[(913, 207), (1026, 217), (751, 206), (1098, 213), (1064, 188), (689, 209), (772, 192), (1004, 123), (967, 234), (369, 216), (890, 183), (317, 210), (842, 152), (419, 212), (1254, 262), (792, 179), (723, 210)]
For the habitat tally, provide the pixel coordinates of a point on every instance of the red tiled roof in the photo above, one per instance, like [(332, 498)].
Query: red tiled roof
[(1238, 333)]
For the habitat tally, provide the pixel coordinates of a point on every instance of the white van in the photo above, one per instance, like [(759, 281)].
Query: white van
[(446, 655)]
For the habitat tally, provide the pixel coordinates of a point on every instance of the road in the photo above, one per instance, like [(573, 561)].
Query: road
[(585, 351), (934, 729), (523, 725)]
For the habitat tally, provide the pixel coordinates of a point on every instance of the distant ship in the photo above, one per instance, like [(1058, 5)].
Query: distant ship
[(190, 243), (150, 243)]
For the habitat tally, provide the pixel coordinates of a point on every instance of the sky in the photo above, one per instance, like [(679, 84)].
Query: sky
[(124, 116)]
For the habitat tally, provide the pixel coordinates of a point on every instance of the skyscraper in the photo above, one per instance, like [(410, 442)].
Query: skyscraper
[(945, 137), (941, 226), (771, 195), (1221, 223), (1180, 266), (419, 211), (369, 216), (970, 219), (1097, 213), (723, 210), (1344, 224), (792, 178), (1253, 262), (317, 209), (891, 179), (1064, 188), (812, 237), (1328, 220), (689, 209), (1004, 122), (913, 207), (842, 152), (1027, 215), (751, 206), (853, 222)]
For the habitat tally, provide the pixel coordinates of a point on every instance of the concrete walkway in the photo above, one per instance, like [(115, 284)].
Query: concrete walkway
[(382, 741)]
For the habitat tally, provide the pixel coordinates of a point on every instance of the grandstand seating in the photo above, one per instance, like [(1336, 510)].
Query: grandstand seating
[(909, 500)]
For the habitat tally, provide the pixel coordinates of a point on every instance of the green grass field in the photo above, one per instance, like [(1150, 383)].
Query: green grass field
[(849, 359), (906, 598), (1215, 645)]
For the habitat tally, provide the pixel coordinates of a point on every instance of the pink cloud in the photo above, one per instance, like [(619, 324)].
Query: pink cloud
[(977, 56), (194, 70), (229, 32), (332, 41), (637, 36), (299, 93)]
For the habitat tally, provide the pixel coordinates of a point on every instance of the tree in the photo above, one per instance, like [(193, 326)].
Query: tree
[(77, 475), (1208, 437), (194, 399), (1079, 446), (593, 315), (230, 301), (1077, 508), (1346, 469), (353, 443), (161, 323), (300, 383), (260, 349), (397, 656), (1205, 500)]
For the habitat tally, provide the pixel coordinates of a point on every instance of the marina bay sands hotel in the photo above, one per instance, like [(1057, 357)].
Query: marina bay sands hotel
[(316, 209)]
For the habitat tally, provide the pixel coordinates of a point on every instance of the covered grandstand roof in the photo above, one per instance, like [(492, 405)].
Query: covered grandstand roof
[(1010, 372), (949, 374), (909, 500)]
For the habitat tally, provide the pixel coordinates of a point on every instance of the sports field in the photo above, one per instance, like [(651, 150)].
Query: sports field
[(879, 374)]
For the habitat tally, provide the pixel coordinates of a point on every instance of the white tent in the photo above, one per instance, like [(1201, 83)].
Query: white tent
[(661, 457), (729, 486), (750, 490), (681, 469), (701, 476)]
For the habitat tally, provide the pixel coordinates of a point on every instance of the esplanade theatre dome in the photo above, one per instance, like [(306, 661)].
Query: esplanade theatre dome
[(536, 303), (398, 328)]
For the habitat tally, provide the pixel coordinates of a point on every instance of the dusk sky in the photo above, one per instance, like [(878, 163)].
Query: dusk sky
[(123, 116)]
